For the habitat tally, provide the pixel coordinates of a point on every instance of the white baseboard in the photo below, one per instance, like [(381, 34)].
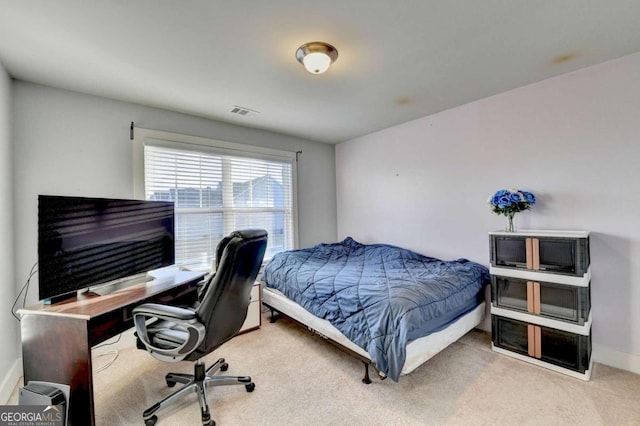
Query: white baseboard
[(10, 381), (617, 359)]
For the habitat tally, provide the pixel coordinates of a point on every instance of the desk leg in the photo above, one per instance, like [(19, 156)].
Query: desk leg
[(56, 349)]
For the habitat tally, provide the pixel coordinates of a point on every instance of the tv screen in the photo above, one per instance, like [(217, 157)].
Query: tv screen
[(83, 242)]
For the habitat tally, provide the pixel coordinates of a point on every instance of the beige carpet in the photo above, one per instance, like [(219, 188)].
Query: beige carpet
[(302, 380)]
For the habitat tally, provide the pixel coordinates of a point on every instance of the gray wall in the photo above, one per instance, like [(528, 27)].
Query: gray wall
[(68, 143), (9, 336), (572, 140)]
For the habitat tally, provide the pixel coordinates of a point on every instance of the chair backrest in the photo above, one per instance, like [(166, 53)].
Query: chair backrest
[(225, 300)]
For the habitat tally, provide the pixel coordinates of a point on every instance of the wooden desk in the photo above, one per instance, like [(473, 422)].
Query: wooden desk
[(57, 338)]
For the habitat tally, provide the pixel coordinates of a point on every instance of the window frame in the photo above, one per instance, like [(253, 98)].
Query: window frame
[(202, 144)]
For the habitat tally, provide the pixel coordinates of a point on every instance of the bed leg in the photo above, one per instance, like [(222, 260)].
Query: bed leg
[(366, 380), (273, 318)]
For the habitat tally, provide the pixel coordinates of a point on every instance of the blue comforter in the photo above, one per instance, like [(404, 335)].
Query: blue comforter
[(379, 296)]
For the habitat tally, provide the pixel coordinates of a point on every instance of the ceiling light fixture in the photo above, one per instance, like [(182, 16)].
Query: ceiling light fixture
[(316, 56)]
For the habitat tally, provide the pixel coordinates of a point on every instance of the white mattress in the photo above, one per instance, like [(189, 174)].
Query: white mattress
[(418, 351)]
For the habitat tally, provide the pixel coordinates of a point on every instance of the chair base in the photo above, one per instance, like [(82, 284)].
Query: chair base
[(198, 382)]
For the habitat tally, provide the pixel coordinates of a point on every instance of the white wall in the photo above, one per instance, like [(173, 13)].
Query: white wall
[(573, 140), (8, 336), (68, 143)]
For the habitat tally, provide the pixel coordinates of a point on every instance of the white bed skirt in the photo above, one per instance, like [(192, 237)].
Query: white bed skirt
[(418, 351)]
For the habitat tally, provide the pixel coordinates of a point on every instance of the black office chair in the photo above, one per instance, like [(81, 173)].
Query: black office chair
[(177, 334)]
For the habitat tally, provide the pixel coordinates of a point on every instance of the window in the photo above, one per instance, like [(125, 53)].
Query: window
[(219, 187)]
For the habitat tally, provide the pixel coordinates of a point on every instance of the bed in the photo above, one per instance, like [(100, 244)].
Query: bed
[(391, 307)]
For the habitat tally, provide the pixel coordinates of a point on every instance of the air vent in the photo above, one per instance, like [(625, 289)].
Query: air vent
[(247, 112)]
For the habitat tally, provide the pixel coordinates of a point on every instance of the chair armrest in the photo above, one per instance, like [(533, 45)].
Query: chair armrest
[(184, 317), (167, 312)]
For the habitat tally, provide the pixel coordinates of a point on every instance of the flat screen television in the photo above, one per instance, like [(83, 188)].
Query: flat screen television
[(84, 242)]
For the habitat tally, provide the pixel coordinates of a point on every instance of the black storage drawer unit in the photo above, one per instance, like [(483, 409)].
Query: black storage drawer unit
[(541, 298), (562, 348), (550, 300), (560, 255)]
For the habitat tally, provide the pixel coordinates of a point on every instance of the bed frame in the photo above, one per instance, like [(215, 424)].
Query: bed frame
[(418, 350)]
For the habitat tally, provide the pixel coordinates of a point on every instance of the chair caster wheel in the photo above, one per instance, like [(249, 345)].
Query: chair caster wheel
[(250, 387), (207, 420), (224, 367), (171, 383), (151, 421)]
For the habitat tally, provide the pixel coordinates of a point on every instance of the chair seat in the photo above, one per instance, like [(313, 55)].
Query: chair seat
[(167, 334)]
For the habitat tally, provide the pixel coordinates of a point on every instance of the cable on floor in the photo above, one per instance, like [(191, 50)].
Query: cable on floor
[(113, 352)]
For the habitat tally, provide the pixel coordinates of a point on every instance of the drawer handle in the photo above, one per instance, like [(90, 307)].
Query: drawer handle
[(529, 251), (535, 246), (530, 297), (534, 335), (536, 298), (538, 342), (531, 340)]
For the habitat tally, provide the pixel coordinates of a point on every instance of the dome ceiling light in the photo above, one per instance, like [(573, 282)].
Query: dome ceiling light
[(316, 56)]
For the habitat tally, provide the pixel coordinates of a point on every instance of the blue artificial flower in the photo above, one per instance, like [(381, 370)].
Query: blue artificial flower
[(529, 197), (504, 200), (509, 201), (500, 198), (516, 197)]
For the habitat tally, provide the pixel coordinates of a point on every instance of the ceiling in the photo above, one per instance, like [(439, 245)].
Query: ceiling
[(398, 60)]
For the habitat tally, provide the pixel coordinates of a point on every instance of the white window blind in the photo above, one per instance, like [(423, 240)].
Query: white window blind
[(216, 192)]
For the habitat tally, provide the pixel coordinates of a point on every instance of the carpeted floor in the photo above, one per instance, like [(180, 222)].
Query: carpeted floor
[(302, 380)]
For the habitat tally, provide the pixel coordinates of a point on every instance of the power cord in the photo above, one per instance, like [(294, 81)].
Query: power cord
[(113, 352), (25, 289), (110, 343)]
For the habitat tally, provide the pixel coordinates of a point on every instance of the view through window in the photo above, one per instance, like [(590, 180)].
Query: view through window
[(216, 193)]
